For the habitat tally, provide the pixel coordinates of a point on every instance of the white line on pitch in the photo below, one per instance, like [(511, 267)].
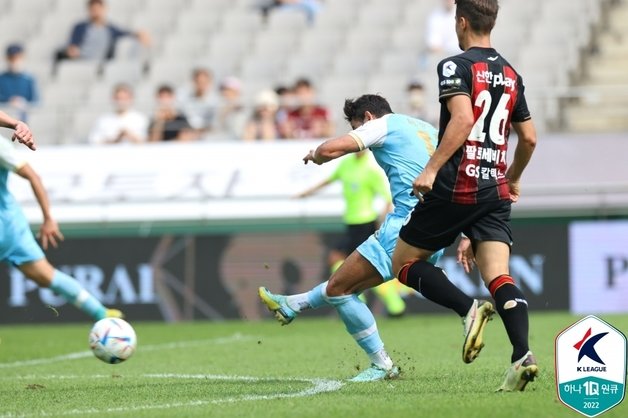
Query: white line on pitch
[(318, 386), (151, 347)]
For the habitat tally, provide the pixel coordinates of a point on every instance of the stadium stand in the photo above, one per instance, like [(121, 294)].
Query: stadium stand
[(349, 50)]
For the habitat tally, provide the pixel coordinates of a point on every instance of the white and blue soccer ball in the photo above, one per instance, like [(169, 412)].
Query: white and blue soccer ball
[(112, 340)]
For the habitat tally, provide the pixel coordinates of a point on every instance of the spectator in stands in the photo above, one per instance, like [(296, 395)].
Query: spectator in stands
[(440, 33), (262, 126), (309, 7), (169, 124), (18, 89), (96, 38), (123, 124), (308, 120), (198, 102), (286, 103), (230, 116), (416, 105)]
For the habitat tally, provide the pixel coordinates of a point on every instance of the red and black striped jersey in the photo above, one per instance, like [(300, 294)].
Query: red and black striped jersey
[(476, 171)]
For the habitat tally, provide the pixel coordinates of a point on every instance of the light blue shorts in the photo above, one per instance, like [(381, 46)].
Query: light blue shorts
[(379, 247), (17, 243)]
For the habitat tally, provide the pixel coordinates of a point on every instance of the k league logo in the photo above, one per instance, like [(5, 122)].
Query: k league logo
[(591, 366)]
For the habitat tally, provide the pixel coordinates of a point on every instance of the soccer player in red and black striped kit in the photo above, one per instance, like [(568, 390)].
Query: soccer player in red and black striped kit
[(467, 188)]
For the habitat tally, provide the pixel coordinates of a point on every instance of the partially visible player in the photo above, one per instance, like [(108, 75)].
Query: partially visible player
[(467, 188), (362, 182), (17, 243), (402, 146), (21, 131)]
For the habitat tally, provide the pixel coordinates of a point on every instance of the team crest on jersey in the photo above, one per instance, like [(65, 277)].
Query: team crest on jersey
[(591, 366), (449, 68)]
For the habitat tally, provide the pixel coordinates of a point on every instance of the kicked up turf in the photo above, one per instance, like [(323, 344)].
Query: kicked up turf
[(260, 369)]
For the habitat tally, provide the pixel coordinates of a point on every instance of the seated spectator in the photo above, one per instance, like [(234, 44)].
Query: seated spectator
[(123, 124), (440, 30), (309, 7), (18, 89), (308, 120), (416, 105), (262, 126), (96, 38), (230, 116), (286, 103), (169, 124), (198, 102)]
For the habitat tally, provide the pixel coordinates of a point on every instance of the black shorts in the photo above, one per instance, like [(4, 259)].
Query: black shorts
[(436, 223), (355, 235)]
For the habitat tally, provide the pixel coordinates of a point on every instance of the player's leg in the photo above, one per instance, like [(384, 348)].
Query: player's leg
[(287, 307), (429, 228), (492, 261), (26, 254), (354, 276), (45, 275), (418, 273)]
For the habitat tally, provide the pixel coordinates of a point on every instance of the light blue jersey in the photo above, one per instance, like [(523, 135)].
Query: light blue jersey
[(17, 243), (402, 145)]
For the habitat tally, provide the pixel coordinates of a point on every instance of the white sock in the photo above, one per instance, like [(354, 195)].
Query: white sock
[(381, 359), (298, 302)]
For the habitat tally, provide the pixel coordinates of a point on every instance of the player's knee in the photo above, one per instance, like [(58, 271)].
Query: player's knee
[(336, 288), (41, 272)]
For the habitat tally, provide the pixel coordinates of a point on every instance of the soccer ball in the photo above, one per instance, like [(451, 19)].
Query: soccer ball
[(112, 340)]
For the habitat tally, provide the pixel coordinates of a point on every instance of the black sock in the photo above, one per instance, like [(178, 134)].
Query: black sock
[(432, 282), (513, 309)]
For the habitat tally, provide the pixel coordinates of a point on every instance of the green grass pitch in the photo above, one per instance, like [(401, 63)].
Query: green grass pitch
[(259, 369)]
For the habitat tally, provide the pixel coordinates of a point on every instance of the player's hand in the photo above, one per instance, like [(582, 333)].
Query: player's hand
[(465, 254), (23, 134), (513, 190), (50, 234), (311, 156), (423, 184)]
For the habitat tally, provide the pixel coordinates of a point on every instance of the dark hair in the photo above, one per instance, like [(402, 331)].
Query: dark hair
[(93, 2), (356, 108), (481, 14), (165, 88), (302, 82), (281, 90)]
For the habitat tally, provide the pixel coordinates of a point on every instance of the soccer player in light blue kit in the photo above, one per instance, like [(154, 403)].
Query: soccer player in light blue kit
[(19, 247), (402, 146)]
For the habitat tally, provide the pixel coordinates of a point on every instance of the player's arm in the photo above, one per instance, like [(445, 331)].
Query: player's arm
[(332, 149), (49, 232), (526, 134), (314, 189), (456, 133), (21, 132)]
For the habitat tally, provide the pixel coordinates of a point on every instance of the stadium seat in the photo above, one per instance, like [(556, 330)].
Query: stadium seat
[(339, 52), (306, 65), (77, 72), (242, 21), (275, 44), (47, 124), (354, 64), (198, 24), (259, 66), (82, 123), (129, 72), (322, 43), (287, 21)]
